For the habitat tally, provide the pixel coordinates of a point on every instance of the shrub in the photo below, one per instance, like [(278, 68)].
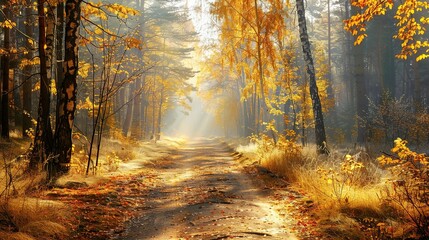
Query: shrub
[(341, 180), (408, 187), (280, 154), (385, 120)]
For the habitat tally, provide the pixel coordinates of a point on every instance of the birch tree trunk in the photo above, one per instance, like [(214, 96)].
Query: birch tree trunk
[(314, 93), (67, 101)]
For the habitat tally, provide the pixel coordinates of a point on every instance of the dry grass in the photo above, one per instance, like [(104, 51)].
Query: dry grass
[(23, 217), (287, 164), (343, 203), (15, 236), (33, 218)]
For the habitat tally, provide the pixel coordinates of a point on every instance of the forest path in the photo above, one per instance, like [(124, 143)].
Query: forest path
[(203, 193)]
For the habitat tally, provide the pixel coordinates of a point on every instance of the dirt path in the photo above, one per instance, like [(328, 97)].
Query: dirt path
[(201, 193)]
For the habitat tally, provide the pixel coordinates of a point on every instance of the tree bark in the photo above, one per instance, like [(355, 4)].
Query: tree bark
[(358, 74), (317, 105), (5, 76), (59, 52), (26, 89), (67, 101), (43, 137)]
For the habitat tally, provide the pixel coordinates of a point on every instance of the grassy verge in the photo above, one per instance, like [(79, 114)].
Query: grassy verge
[(78, 206), (23, 216), (355, 196)]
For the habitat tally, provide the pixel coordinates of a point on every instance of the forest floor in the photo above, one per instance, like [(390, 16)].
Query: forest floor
[(199, 190)]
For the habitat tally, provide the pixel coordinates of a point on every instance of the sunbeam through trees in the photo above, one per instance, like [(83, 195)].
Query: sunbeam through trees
[(214, 119)]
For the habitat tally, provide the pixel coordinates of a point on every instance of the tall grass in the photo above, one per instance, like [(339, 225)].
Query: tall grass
[(346, 186), (30, 218), (22, 216)]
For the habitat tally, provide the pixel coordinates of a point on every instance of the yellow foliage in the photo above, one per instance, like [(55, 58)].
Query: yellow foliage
[(408, 183), (404, 155), (7, 24), (132, 42), (92, 10), (121, 11), (342, 180), (409, 28), (88, 104), (32, 62), (84, 68)]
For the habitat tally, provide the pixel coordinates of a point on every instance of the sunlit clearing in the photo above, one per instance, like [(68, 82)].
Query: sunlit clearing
[(196, 123)]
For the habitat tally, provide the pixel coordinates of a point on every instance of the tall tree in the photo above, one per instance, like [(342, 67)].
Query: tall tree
[(5, 72), (27, 71), (67, 95), (43, 137), (317, 106)]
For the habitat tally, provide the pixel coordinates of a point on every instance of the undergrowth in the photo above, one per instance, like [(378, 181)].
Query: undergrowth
[(384, 198), (21, 215)]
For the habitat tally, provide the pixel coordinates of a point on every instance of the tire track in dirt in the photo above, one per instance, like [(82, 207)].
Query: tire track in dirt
[(202, 193)]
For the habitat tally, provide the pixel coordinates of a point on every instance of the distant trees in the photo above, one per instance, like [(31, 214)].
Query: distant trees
[(125, 61), (350, 79), (393, 29), (259, 51)]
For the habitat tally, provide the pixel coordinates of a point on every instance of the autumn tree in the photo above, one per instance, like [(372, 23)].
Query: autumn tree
[(248, 30), (67, 94), (43, 140)]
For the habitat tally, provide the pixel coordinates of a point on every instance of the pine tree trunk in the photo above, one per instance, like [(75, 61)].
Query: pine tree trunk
[(67, 101), (5, 77), (317, 105), (358, 74)]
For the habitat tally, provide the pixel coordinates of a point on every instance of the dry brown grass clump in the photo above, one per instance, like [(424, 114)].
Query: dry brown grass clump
[(31, 218)]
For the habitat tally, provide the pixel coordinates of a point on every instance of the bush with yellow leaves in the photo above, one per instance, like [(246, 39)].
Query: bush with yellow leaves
[(278, 152), (408, 187), (340, 181)]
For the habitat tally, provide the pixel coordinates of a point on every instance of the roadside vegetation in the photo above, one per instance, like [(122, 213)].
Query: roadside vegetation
[(77, 204), (357, 194)]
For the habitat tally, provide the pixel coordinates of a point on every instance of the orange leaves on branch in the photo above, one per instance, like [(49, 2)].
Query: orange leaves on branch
[(359, 39), (87, 104), (132, 42), (404, 155), (356, 24), (409, 26), (121, 11)]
